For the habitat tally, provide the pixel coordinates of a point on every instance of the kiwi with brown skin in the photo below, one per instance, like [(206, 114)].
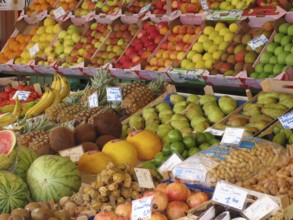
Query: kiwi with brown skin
[(107, 123), (41, 214), (61, 138), (4, 216), (89, 146), (62, 215), (85, 133), (21, 212), (103, 139), (32, 205), (16, 217)]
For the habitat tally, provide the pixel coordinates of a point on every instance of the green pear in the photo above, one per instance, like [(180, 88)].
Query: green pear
[(263, 95), (288, 102), (259, 125), (163, 130), (273, 112), (207, 98), (288, 133), (179, 117), (180, 124), (124, 132), (237, 122), (215, 116), (181, 103), (166, 112), (197, 120), (219, 126), (193, 98), (149, 115), (179, 109), (193, 114), (280, 138), (152, 120), (227, 104), (276, 106), (186, 131), (147, 110), (201, 127), (165, 119), (136, 122), (174, 98), (152, 127), (266, 100), (163, 106)]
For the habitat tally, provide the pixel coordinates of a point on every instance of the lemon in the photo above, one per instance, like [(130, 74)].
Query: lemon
[(233, 27), (219, 26)]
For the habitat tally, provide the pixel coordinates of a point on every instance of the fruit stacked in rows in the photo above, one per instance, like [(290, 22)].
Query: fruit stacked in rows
[(38, 6), (255, 116), (174, 48), (15, 45), (115, 43), (228, 4), (187, 115), (262, 3), (210, 46), (43, 37), (190, 6), (86, 7), (88, 44), (111, 6), (142, 46), (239, 55), (136, 6), (67, 4), (278, 55)]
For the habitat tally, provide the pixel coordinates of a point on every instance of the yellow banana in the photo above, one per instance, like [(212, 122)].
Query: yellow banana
[(58, 82), (10, 118), (57, 97), (65, 87), (17, 108), (7, 108), (53, 85)]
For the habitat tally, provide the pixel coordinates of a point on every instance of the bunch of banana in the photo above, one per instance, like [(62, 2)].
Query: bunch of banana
[(11, 117), (61, 85)]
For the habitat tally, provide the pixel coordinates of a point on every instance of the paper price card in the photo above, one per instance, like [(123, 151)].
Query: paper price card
[(261, 208), (169, 164), (204, 5), (145, 8), (144, 178), (258, 42), (232, 136), (22, 95), (287, 120), (229, 195), (73, 153), (142, 208), (215, 131), (93, 100), (114, 94), (34, 50), (59, 12), (224, 15)]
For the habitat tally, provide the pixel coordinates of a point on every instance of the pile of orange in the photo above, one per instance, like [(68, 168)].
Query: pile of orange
[(67, 4), (40, 5), (15, 45)]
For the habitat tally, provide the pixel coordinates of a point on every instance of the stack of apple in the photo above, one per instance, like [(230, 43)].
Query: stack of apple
[(136, 6), (239, 55), (85, 7), (173, 49), (265, 3), (38, 6), (185, 6), (111, 6), (278, 55), (229, 4), (170, 201), (43, 37), (209, 46), (66, 5), (142, 46), (115, 43), (88, 44)]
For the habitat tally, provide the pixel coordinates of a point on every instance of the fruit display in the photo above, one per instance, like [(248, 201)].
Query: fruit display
[(277, 56), (173, 49), (239, 55), (228, 5), (38, 6), (85, 8), (142, 46), (66, 5), (190, 6), (257, 115), (136, 6), (112, 6), (210, 46)]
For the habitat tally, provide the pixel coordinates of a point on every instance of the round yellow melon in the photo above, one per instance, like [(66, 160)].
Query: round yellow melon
[(121, 152), (147, 144), (93, 162)]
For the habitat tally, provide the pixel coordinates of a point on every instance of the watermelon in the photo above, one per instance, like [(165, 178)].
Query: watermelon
[(51, 177), (25, 157), (14, 192), (8, 149)]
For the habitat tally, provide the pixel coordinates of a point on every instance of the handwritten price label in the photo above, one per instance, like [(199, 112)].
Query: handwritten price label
[(169, 164), (142, 208), (145, 8), (229, 195), (21, 95), (232, 136), (204, 5), (73, 153), (59, 12), (215, 131), (144, 178), (93, 100), (34, 50), (287, 120), (258, 42), (114, 94)]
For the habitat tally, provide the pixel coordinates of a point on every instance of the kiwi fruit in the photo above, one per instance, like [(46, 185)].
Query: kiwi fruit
[(4, 216), (62, 215), (61, 138), (21, 212), (89, 146), (103, 139), (107, 123), (16, 217), (41, 214), (85, 133), (32, 205)]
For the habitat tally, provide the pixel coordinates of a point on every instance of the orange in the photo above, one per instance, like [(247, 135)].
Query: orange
[(42, 2), (147, 144), (27, 39), (65, 6), (33, 30)]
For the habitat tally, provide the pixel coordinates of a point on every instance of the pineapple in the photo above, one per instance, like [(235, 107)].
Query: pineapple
[(140, 97), (83, 116), (129, 88), (26, 139), (98, 84), (68, 113)]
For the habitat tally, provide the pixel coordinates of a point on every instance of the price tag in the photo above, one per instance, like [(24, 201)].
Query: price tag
[(22, 95), (34, 50), (232, 136), (215, 132), (261, 208), (225, 15), (186, 76), (93, 100), (73, 153), (169, 164), (204, 5), (145, 8), (287, 120), (258, 42), (144, 178), (58, 12), (142, 208), (114, 94), (229, 195)]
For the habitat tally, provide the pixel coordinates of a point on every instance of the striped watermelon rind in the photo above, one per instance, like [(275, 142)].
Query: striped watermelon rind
[(8, 149), (14, 192), (51, 177)]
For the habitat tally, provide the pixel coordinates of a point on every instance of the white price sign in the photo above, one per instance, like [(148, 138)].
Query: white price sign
[(229, 195), (93, 100), (169, 164), (22, 95), (34, 50), (204, 5), (232, 136), (114, 94), (59, 12), (215, 132), (144, 178), (261, 208), (145, 8), (142, 208), (258, 42), (287, 120), (73, 153)]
